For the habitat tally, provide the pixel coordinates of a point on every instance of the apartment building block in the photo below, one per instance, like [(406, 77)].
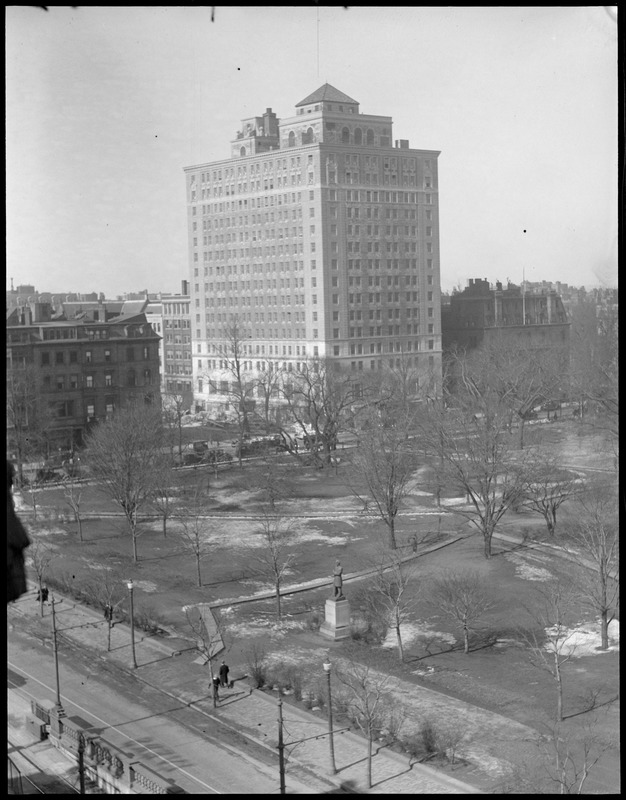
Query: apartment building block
[(80, 369), (318, 238)]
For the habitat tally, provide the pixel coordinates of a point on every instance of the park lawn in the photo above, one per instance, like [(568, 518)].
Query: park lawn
[(496, 674)]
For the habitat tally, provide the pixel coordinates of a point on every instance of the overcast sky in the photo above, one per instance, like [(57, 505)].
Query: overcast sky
[(106, 106)]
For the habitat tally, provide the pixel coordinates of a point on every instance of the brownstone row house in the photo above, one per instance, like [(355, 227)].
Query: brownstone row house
[(75, 372)]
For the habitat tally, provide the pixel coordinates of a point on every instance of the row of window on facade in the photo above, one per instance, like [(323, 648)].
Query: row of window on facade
[(71, 357), (398, 363), (63, 382), (67, 408)]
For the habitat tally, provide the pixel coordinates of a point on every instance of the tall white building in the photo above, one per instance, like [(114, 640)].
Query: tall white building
[(318, 237)]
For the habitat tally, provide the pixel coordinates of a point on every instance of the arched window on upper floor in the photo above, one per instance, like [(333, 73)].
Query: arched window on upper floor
[(345, 136), (308, 137), (292, 139), (358, 136), (242, 152), (370, 136)]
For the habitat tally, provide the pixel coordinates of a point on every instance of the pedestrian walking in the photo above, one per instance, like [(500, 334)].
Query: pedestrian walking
[(414, 543), (224, 674), (216, 688)]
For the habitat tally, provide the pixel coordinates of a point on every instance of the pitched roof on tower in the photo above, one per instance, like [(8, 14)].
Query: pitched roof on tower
[(328, 93)]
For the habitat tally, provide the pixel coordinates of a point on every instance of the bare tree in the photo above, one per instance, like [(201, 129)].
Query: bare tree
[(595, 535), (193, 529), (125, 454), (553, 645), (520, 375), (40, 557), (175, 406), (29, 419), (595, 362), (385, 461), (268, 383), (163, 493), (571, 755), (462, 596), (234, 353), (391, 587), (545, 491), (368, 693), (73, 492), (472, 444), (109, 593), (321, 399), (274, 479), (208, 629), (275, 535)]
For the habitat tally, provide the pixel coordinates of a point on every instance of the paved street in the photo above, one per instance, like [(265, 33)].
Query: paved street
[(173, 735)]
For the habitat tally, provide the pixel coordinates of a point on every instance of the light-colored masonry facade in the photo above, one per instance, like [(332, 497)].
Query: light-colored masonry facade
[(321, 239)]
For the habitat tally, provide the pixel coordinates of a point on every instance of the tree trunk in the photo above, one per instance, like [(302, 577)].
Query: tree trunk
[(79, 522), (212, 686), (278, 609), (392, 533), (604, 630), (369, 756), (133, 534), (110, 625), (40, 596), (487, 535), (521, 433), (198, 571), (465, 639), (399, 637), (559, 688), (164, 524)]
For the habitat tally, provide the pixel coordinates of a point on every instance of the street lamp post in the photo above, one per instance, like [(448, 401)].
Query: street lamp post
[(327, 667), (55, 647), (132, 623)]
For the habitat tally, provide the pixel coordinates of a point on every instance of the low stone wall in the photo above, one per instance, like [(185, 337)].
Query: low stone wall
[(111, 769)]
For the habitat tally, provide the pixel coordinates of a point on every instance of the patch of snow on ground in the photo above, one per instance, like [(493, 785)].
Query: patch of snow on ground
[(453, 501), (411, 631), (585, 639), (527, 571), (146, 586), (254, 627)]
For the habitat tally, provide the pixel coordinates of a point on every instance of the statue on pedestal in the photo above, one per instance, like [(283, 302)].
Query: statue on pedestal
[(338, 581)]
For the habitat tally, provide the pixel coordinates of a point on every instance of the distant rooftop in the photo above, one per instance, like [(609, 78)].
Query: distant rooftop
[(327, 93)]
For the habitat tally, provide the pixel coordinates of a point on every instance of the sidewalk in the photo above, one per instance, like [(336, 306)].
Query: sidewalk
[(252, 713), (37, 758)]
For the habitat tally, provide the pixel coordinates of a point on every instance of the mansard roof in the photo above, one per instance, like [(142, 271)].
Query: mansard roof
[(327, 93)]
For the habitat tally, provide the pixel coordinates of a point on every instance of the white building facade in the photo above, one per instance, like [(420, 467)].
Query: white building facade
[(317, 238)]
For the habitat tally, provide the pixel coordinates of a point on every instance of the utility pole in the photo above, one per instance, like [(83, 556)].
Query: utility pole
[(281, 747), (59, 706)]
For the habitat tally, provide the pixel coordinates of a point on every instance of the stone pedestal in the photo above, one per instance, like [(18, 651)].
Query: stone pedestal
[(337, 619)]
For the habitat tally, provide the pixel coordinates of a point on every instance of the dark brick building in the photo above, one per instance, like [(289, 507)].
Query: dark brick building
[(81, 369), (481, 313)]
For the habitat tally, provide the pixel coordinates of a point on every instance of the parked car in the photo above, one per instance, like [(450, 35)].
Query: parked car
[(529, 414), (190, 458), (550, 405)]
